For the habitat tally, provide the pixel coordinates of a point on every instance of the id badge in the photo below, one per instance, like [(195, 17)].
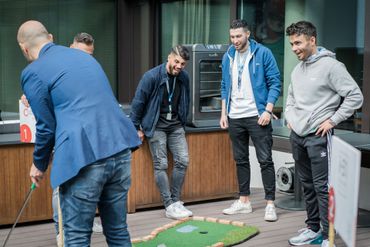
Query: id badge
[(169, 116)]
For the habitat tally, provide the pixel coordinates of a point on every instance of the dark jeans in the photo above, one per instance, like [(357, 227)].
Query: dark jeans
[(311, 162), (240, 130), (176, 142)]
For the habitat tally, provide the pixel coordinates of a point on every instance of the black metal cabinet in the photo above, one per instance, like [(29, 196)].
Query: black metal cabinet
[(204, 68)]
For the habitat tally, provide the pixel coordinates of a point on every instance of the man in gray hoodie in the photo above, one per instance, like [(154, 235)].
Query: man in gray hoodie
[(321, 95)]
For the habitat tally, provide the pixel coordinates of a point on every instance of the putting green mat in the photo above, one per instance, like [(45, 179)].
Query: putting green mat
[(198, 233)]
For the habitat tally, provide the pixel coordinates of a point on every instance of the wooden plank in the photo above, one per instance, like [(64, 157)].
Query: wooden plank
[(141, 223), (15, 163)]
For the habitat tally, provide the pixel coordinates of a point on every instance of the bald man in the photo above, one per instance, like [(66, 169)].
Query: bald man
[(91, 138)]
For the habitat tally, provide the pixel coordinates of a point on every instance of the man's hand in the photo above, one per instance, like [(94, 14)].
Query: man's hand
[(264, 119), (24, 101), (141, 135), (36, 175), (324, 127), (223, 122)]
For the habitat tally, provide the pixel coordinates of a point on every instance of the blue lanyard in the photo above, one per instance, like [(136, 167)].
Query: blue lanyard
[(170, 95), (241, 67)]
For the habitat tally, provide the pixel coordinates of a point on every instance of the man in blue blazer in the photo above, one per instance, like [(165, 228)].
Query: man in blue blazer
[(79, 118)]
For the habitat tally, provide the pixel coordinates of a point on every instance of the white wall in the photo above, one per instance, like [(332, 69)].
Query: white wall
[(279, 159)]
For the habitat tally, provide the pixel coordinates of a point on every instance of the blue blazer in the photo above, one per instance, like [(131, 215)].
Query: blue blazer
[(76, 112)]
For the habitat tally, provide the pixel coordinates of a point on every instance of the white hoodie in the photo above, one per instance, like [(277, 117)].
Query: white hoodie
[(314, 95)]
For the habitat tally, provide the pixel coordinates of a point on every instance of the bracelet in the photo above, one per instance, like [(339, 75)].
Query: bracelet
[(270, 112)]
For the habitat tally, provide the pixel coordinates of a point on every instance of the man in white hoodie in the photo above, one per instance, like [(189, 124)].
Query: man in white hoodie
[(321, 95)]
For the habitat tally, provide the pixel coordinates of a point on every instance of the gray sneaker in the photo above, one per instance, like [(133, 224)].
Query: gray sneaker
[(306, 236), (238, 207)]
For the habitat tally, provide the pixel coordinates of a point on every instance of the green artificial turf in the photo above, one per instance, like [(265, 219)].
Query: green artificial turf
[(200, 234)]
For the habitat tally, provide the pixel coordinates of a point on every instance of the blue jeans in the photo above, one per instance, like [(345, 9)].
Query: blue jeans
[(176, 142), (240, 130), (54, 203), (105, 184)]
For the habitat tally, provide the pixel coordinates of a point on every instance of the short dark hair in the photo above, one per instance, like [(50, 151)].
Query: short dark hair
[(85, 38), (302, 27), (181, 51), (239, 23)]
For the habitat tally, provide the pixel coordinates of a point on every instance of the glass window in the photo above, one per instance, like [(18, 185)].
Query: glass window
[(343, 36), (266, 21), (63, 19), (194, 21)]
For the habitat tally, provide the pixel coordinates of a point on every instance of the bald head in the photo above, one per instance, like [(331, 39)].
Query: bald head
[(32, 36)]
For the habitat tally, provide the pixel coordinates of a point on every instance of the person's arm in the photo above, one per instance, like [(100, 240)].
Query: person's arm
[(273, 85), (139, 103), (24, 101), (224, 90), (290, 103), (39, 99), (272, 76), (343, 83), (223, 120)]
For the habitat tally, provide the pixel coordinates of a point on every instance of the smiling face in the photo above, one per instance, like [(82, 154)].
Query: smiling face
[(302, 45), (175, 64), (239, 38)]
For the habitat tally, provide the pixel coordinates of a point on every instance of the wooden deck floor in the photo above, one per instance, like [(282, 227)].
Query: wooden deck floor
[(273, 234)]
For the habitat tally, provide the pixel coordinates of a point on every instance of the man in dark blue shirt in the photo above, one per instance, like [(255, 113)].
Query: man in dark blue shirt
[(159, 112)]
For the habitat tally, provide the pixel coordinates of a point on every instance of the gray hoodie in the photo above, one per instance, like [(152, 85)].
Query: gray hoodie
[(314, 95)]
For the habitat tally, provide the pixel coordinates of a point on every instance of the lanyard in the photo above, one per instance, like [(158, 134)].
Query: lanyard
[(241, 67), (170, 95)]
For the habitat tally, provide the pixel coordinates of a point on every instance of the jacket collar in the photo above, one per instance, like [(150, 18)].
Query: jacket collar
[(45, 48)]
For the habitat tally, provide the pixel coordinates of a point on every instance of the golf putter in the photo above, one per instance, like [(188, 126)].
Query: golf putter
[(33, 186)]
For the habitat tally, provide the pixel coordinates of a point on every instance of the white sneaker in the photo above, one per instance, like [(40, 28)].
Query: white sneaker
[(325, 243), (179, 205), (97, 227), (306, 236), (270, 213), (174, 212), (238, 207)]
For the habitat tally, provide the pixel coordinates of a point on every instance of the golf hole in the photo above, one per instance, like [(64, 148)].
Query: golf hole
[(203, 232)]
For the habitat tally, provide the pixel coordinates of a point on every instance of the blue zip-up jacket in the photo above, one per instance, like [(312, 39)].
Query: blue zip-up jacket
[(145, 107), (263, 71)]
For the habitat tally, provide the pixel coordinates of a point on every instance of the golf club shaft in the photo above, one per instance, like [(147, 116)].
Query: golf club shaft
[(33, 186)]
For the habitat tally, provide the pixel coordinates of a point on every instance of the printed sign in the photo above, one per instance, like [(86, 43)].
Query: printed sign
[(27, 123), (345, 179)]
